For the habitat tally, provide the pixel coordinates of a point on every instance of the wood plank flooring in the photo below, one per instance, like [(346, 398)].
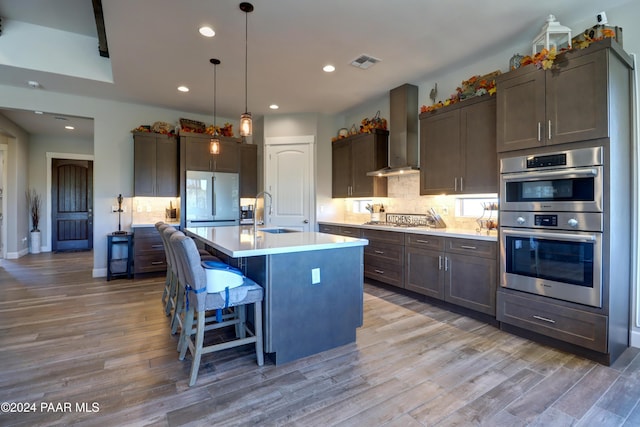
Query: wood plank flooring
[(69, 339)]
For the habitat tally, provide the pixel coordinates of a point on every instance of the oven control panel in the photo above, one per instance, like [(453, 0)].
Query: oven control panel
[(545, 220), (577, 221)]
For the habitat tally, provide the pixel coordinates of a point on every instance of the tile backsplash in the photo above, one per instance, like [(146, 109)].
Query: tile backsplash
[(404, 197), (149, 210)]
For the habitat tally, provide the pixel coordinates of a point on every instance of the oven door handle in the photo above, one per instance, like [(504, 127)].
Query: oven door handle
[(556, 236), (539, 175)]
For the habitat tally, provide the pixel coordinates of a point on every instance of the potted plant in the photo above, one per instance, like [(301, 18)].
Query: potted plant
[(34, 204)]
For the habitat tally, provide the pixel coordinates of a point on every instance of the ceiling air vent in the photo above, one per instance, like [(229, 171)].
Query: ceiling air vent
[(365, 61)]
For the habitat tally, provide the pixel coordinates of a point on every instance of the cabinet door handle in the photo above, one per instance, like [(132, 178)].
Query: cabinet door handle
[(549, 130), (455, 184), (446, 263), (468, 247), (379, 271), (539, 131), (544, 319), (461, 184), (157, 262), (379, 252), (439, 262)]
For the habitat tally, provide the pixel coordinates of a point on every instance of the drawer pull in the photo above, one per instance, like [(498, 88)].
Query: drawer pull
[(468, 247), (379, 252), (422, 241), (157, 246), (544, 319), (379, 271), (347, 232), (157, 262)]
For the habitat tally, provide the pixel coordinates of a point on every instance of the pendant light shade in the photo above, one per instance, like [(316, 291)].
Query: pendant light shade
[(214, 143), (246, 123)]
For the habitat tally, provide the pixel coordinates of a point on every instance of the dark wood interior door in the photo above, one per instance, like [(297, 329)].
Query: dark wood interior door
[(72, 205)]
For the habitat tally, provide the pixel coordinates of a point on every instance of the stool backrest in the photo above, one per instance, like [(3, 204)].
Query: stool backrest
[(166, 234), (192, 272)]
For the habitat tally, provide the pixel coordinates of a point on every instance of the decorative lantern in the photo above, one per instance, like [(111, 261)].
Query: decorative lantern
[(552, 35)]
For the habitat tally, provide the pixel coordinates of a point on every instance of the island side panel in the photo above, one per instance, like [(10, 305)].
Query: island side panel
[(302, 318)]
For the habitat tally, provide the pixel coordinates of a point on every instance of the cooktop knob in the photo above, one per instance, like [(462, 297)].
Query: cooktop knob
[(572, 222)]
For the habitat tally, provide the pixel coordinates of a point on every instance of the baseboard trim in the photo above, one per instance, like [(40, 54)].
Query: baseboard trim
[(99, 272), (635, 338), (16, 255)]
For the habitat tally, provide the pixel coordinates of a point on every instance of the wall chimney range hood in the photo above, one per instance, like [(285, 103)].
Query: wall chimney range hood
[(403, 133)]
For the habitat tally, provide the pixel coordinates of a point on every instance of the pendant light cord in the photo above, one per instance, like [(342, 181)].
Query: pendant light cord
[(215, 66), (246, 61)]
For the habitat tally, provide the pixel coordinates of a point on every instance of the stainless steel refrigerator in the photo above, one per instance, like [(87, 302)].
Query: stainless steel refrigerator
[(212, 199)]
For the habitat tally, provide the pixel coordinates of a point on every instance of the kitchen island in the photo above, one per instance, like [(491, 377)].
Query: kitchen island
[(313, 284)]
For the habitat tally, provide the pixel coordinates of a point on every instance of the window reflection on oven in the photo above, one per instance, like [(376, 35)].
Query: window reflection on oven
[(559, 261)]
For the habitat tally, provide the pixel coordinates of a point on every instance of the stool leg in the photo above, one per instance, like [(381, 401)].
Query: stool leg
[(185, 334), (195, 364), (170, 294), (241, 326), (178, 309), (257, 324)]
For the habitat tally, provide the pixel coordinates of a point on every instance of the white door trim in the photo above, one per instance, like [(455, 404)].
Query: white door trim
[(280, 140), (50, 156)]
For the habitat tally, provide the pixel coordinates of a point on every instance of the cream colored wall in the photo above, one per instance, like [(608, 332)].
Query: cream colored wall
[(17, 165), (112, 148)]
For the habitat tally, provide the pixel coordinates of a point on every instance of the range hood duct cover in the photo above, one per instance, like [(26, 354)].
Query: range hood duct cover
[(403, 132)]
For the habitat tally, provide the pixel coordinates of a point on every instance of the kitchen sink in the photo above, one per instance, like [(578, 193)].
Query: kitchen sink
[(278, 230)]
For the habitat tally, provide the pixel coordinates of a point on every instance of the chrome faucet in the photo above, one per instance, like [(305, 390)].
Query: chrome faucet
[(255, 203)]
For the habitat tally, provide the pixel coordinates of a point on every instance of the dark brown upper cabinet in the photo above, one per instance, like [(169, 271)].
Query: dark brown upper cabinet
[(155, 168)]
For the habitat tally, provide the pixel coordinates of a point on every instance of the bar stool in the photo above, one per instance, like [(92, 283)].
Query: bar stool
[(170, 277), (198, 301)]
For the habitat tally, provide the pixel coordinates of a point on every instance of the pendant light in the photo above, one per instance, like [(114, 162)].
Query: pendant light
[(246, 125), (214, 143)]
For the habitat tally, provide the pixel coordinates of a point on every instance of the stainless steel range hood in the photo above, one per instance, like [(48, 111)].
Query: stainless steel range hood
[(403, 133)]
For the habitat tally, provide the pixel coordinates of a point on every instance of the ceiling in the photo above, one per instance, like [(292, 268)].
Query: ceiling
[(155, 46)]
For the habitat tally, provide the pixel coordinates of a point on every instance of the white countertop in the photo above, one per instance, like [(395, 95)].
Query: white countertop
[(239, 241), (445, 232)]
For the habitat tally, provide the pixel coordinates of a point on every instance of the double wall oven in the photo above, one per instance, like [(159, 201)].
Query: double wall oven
[(551, 216)]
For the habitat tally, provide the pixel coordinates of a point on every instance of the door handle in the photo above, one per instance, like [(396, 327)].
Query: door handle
[(306, 221)]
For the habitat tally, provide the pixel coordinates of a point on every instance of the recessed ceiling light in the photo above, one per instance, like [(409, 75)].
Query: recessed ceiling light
[(207, 31), (274, 106), (69, 127), (38, 112), (34, 84), (328, 68), (183, 89)]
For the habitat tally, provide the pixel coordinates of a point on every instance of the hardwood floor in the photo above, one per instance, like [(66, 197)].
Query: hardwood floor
[(67, 339)]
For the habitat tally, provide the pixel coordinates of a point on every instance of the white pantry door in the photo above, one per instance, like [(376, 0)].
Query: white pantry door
[(289, 179)]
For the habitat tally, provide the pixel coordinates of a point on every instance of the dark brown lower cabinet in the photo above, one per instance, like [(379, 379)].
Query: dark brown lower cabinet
[(148, 251), (384, 256), (567, 324), (460, 271)]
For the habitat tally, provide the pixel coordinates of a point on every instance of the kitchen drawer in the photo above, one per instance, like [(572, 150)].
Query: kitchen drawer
[(329, 229), (380, 236), (479, 248), (142, 244), (386, 272), (148, 263), (388, 253), (574, 326), (351, 232), (146, 232), (424, 241), (340, 230)]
